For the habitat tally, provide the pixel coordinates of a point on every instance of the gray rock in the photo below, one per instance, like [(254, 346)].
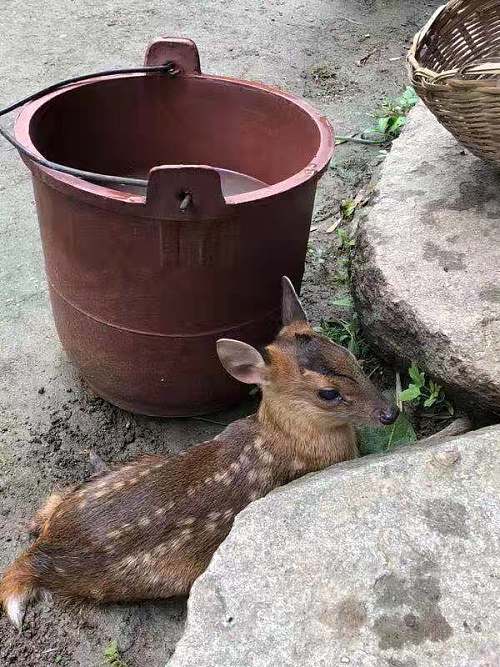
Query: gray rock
[(387, 560), (427, 271)]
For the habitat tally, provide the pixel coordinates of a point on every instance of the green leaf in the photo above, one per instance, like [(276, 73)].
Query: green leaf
[(343, 302), (396, 125), (408, 99), (383, 124), (416, 375), (373, 439), (347, 208), (410, 394), (430, 401)]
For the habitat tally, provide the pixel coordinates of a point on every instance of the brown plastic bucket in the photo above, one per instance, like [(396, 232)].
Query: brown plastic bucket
[(141, 289)]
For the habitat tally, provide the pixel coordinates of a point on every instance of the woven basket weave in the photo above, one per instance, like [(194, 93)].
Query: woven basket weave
[(454, 66)]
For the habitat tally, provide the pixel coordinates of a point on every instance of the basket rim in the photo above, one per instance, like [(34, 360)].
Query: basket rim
[(428, 78)]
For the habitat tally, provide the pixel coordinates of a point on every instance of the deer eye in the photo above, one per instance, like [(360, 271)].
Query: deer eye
[(331, 395)]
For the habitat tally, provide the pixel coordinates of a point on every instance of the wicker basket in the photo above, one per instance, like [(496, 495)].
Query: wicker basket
[(454, 65)]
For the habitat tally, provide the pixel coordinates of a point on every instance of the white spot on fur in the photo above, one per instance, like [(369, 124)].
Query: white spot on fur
[(297, 464), (191, 491), (113, 534), (211, 527), (118, 485), (258, 442), (228, 514), (266, 456), (146, 558), (15, 607), (158, 466), (161, 549), (247, 449), (235, 466), (252, 476), (213, 516), (100, 494), (144, 521), (175, 543), (208, 480), (244, 460), (253, 496), (144, 473), (82, 505), (188, 521), (160, 511), (128, 561), (132, 480)]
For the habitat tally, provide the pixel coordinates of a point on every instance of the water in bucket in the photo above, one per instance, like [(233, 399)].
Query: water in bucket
[(232, 183)]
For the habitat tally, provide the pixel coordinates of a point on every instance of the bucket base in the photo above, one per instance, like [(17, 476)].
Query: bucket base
[(147, 411)]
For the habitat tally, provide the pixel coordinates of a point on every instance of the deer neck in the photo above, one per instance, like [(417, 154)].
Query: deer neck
[(310, 442)]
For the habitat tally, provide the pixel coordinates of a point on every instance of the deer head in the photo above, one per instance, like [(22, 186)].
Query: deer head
[(303, 372)]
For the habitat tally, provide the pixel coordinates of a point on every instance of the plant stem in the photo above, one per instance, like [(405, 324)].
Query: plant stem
[(357, 140)]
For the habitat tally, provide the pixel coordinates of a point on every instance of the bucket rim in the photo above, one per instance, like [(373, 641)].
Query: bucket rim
[(313, 170)]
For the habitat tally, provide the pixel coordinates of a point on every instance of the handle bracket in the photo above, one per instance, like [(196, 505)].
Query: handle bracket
[(182, 52), (185, 193)]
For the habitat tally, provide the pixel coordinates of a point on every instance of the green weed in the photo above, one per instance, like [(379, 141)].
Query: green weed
[(346, 333), (374, 439), (347, 242), (390, 120), (348, 208), (344, 302), (318, 255), (391, 116), (112, 655), (424, 393)]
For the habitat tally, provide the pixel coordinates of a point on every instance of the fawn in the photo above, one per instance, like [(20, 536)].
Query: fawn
[(149, 528)]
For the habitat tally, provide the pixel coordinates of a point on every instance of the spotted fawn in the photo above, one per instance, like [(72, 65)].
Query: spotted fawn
[(149, 528)]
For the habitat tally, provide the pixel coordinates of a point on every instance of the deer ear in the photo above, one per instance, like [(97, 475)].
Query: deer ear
[(242, 361), (291, 308)]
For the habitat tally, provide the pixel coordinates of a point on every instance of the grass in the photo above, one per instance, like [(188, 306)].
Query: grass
[(112, 655), (346, 332), (390, 119)]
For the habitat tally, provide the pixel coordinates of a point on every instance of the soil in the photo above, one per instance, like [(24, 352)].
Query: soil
[(49, 421)]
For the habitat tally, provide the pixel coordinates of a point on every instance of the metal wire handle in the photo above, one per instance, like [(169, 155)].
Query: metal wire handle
[(168, 68)]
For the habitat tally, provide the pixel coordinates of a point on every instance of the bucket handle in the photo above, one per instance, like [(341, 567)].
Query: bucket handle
[(186, 192), (168, 68)]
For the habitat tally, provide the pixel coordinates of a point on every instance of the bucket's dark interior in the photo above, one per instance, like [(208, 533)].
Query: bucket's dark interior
[(126, 126)]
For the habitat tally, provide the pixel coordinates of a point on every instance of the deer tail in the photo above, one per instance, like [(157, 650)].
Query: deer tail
[(18, 585)]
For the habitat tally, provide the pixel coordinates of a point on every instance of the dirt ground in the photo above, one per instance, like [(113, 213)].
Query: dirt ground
[(48, 419)]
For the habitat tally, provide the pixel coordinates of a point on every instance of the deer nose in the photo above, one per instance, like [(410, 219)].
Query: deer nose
[(388, 415)]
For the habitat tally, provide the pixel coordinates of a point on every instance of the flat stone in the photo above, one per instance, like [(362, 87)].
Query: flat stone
[(387, 560), (427, 268)]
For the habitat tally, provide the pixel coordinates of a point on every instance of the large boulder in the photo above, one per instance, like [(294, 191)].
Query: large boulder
[(387, 560), (427, 268)]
